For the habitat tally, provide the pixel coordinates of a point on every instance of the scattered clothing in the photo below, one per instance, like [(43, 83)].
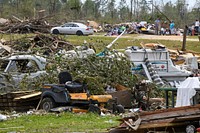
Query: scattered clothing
[(186, 91)]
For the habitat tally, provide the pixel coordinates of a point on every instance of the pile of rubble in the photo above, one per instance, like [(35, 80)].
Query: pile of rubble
[(165, 120), (39, 43), (24, 26)]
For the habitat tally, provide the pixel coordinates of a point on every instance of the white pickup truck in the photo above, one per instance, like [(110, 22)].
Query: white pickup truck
[(13, 69)]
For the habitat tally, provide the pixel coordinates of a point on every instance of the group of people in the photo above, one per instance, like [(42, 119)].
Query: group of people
[(164, 28), (194, 29), (116, 30), (160, 28)]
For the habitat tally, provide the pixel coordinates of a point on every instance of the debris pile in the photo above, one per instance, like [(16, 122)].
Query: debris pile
[(19, 101), (186, 59), (25, 26), (169, 120), (39, 43), (97, 72)]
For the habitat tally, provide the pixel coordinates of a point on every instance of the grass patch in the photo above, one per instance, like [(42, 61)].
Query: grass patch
[(130, 40), (11, 37), (99, 41), (64, 122)]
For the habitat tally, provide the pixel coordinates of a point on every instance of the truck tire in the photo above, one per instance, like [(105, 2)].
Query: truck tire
[(47, 104), (94, 109)]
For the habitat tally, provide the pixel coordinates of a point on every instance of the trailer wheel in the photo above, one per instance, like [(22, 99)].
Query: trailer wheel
[(94, 109), (190, 129), (47, 104)]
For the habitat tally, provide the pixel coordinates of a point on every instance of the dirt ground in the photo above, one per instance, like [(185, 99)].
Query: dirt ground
[(170, 37), (155, 37)]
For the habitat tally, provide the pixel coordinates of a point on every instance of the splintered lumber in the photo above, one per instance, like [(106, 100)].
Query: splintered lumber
[(7, 48), (18, 19), (19, 101), (170, 113), (26, 26), (28, 96), (164, 118)]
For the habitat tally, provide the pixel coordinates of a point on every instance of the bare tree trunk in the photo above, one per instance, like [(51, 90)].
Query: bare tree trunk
[(134, 8), (137, 7), (17, 6), (1, 9), (131, 12), (184, 38), (152, 10)]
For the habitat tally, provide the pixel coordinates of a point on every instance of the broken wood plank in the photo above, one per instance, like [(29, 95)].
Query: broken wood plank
[(28, 96), (159, 125), (7, 48), (134, 125), (17, 19), (161, 119)]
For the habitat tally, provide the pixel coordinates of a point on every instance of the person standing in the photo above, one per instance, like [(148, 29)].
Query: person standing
[(192, 30), (172, 28), (197, 26), (157, 26)]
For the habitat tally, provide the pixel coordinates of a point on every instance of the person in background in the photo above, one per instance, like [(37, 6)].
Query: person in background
[(115, 30), (121, 29), (164, 27), (193, 30), (196, 26), (162, 31), (157, 26), (172, 28)]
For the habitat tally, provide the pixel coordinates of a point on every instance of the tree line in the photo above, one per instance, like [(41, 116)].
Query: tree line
[(102, 11)]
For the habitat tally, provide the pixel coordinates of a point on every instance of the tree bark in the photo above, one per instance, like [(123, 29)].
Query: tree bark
[(184, 38)]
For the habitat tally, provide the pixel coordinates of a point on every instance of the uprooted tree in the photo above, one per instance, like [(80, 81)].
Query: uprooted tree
[(96, 72)]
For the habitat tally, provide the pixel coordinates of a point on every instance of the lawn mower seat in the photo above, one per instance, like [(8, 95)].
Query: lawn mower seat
[(64, 77), (72, 86)]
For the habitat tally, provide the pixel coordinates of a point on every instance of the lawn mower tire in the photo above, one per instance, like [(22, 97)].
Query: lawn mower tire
[(94, 109), (47, 104)]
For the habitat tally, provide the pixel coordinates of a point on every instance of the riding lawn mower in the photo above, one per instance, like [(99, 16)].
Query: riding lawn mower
[(75, 97)]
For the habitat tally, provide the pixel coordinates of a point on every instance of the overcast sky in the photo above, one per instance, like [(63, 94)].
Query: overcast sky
[(189, 2)]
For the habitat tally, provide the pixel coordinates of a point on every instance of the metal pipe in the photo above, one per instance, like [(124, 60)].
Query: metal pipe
[(110, 45)]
